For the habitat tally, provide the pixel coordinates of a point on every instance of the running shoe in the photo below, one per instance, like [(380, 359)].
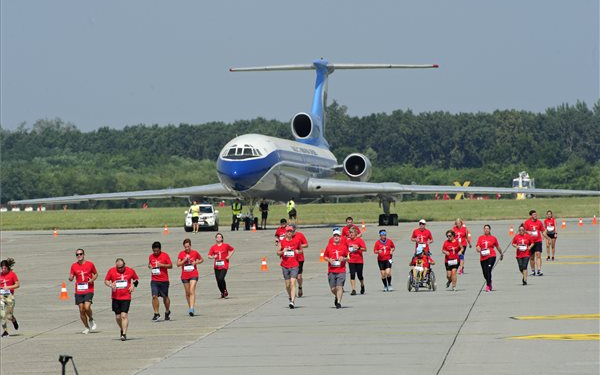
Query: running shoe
[(362, 289), (460, 271), (156, 317), (5, 333), (225, 293), (222, 295), (390, 288), (167, 315), (191, 312), (385, 288), (93, 325), (454, 289), (15, 324), (300, 294), (553, 259), (86, 331), (338, 305), (539, 273), (123, 337), (291, 305), (487, 288), (448, 283), (353, 292), (524, 282), (532, 273), (335, 302)]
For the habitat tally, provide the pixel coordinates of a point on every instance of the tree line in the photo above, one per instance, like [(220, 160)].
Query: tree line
[(560, 148)]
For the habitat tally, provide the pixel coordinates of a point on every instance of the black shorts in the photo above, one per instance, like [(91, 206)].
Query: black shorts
[(551, 235), (450, 268), (186, 281), (120, 305), (82, 298), (537, 247), (264, 214), (300, 267), (159, 288), (523, 262), (195, 219), (384, 264)]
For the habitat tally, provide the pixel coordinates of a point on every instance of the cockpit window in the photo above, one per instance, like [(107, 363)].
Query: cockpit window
[(241, 152)]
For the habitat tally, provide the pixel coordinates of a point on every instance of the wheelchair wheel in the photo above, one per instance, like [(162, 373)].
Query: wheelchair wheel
[(409, 284), (432, 281)]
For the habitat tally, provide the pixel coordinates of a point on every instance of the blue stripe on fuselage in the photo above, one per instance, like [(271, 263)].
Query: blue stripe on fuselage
[(241, 175)]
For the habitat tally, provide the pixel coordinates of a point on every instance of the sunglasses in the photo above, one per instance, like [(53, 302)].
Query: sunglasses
[(78, 254), (449, 236)]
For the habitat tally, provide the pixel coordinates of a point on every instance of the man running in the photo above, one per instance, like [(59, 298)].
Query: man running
[(384, 248), (84, 273), (159, 263), (349, 225), (536, 230), (336, 256), (297, 235), (121, 280), (422, 237), (289, 249)]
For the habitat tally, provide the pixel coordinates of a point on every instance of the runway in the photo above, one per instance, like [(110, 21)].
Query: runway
[(550, 326)]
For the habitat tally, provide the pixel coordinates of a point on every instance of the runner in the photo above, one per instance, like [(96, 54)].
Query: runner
[(487, 255), (551, 233), (336, 255), (122, 280), (422, 237), (188, 259), (522, 242), (159, 263), (463, 235), (452, 250), (535, 229), (221, 252), (8, 283), (289, 249), (356, 248), (350, 224), (304, 244), (384, 248), (280, 232), (84, 273)]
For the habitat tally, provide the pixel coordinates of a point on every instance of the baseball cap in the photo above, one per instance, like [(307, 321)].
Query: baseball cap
[(422, 221), (289, 228), (337, 231)]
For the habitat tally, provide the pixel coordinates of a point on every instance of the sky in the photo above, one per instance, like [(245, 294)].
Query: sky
[(117, 63)]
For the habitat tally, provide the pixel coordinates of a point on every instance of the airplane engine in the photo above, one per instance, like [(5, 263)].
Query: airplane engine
[(303, 126), (357, 167)]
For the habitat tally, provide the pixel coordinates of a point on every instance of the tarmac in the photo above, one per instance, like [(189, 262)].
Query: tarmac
[(253, 331)]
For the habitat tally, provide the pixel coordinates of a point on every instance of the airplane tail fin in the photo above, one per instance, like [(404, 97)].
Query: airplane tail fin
[(310, 129)]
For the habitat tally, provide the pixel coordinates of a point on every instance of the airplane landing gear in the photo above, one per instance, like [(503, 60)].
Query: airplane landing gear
[(387, 218)]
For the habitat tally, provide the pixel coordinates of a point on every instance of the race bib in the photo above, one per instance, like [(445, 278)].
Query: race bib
[(522, 247), (219, 263), (421, 246), (281, 237), (485, 252), (454, 262), (390, 261), (81, 287), (534, 233), (156, 271), (4, 292), (289, 253), (189, 268), (120, 284), (419, 268), (550, 228), (336, 263), (352, 249)]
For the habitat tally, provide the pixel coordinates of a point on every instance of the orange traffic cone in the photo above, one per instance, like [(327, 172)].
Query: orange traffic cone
[(594, 221), (580, 222), (564, 225), (55, 233), (263, 266), (254, 227), (166, 230), (511, 231), (63, 292), (363, 227), (321, 259)]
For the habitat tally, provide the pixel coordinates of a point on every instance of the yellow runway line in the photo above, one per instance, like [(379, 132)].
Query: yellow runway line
[(562, 336), (566, 263), (557, 317), (578, 257)]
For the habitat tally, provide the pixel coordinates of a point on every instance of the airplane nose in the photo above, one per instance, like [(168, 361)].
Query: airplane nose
[(238, 175)]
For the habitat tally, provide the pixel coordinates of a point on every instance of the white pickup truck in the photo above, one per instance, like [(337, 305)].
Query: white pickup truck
[(208, 218)]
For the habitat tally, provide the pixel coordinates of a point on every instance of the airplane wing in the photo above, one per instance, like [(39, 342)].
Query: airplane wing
[(322, 187), (212, 190)]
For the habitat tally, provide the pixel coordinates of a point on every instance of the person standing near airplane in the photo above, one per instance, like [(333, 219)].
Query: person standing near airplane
[(159, 263), (236, 210), (264, 213), (336, 256), (195, 211), (8, 283), (84, 273), (350, 224), (384, 248), (221, 252), (304, 244), (188, 259), (121, 280), (551, 234), (422, 237), (463, 235), (522, 242), (536, 230), (487, 256), (291, 210), (356, 248), (289, 250)]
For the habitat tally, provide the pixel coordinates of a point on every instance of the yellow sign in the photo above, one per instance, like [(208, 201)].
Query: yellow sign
[(460, 195)]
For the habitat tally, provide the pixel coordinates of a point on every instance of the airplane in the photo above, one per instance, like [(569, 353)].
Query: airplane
[(255, 166)]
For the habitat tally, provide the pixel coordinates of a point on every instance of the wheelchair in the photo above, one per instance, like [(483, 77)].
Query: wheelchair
[(427, 281)]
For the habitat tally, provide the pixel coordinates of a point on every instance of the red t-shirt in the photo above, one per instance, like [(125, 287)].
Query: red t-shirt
[(220, 252), (303, 241), (159, 273), (289, 258), (354, 246), (188, 269), (523, 242), (333, 251), (346, 230), (487, 243), (385, 248), (422, 237), (461, 234), (9, 279), (82, 274), (453, 248), (534, 229), (550, 225), (421, 260), (122, 282), (280, 233)]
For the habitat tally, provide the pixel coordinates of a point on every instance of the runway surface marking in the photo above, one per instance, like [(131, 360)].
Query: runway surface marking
[(557, 317), (561, 336)]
